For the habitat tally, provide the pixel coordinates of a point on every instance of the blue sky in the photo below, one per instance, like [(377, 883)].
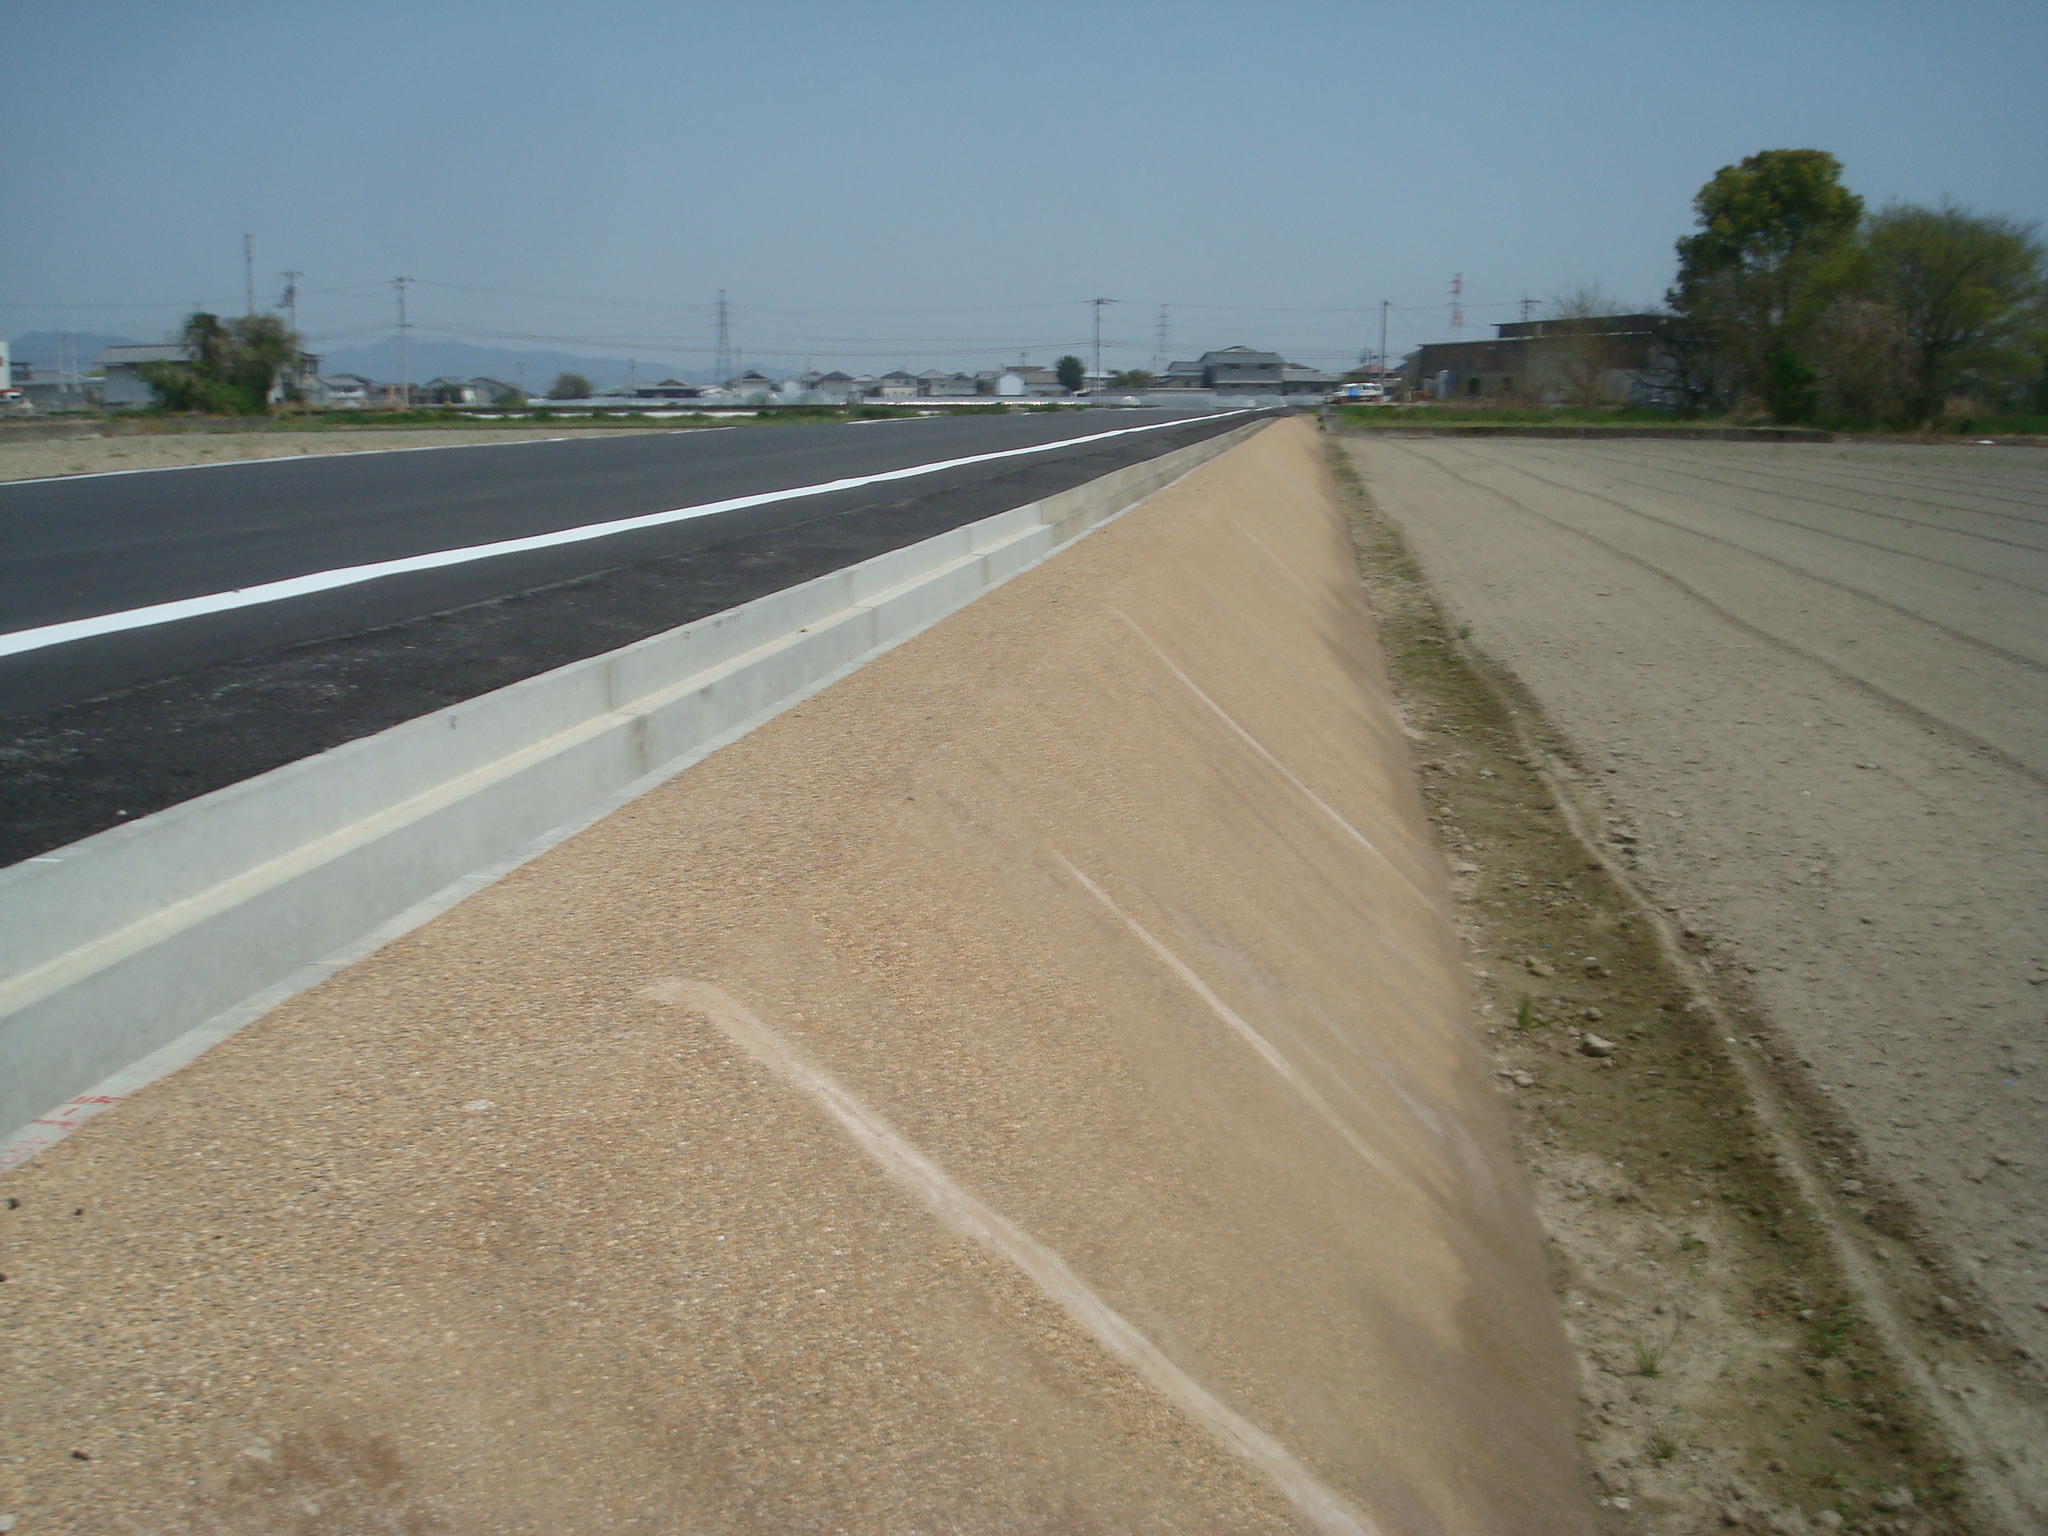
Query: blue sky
[(909, 181)]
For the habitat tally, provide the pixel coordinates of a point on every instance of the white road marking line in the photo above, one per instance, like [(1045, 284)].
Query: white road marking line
[(1325, 1509), (1268, 1052), (24, 640), (1285, 772)]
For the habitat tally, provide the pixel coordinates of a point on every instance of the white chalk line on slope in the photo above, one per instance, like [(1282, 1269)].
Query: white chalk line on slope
[(1285, 772), (23, 640), (1235, 1022), (1326, 1510)]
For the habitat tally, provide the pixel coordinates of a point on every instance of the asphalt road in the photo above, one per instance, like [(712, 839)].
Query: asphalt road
[(99, 730), (1808, 685)]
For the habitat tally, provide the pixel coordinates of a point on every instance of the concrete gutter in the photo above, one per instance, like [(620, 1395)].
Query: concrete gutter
[(198, 918)]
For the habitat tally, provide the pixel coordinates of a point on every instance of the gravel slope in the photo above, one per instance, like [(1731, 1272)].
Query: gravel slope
[(771, 1156), (1814, 681)]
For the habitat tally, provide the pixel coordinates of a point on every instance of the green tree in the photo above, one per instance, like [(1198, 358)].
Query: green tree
[(570, 386), (234, 366), (1131, 378), (1966, 292), (1775, 238), (1071, 372)]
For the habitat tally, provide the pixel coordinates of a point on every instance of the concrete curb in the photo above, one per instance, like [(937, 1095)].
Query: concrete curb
[(119, 945)]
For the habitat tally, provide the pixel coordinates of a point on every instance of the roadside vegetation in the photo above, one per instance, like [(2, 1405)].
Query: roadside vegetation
[(235, 365), (1792, 296), (1794, 304)]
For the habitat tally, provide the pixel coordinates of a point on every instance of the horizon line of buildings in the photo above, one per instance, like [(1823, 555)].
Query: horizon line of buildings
[(1235, 370)]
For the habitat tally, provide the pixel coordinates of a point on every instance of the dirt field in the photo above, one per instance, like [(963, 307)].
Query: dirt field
[(100, 455), (1796, 695), (1028, 1087)]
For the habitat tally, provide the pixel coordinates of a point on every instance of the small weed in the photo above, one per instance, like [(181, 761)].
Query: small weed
[(1663, 1447), (1464, 631), (1649, 1356), (1525, 1014)]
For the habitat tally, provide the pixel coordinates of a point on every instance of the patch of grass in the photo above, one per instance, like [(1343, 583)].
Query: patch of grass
[(1649, 1356), (1525, 1014)]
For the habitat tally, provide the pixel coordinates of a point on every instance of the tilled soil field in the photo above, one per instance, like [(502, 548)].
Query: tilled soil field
[(1742, 751)]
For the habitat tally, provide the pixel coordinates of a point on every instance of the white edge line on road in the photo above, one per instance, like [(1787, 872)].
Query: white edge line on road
[(1325, 1510), (24, 640)]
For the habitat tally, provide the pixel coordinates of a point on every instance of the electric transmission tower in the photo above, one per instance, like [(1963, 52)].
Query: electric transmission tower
[(1458, 306), (1159, 354), (721, 355)]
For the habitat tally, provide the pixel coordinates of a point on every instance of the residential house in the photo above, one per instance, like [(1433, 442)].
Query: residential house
[(345, 392), (1030, 381), (669, 389), (445, 391), (837, 385), (896, 384), (933, 384), (124, 387), (751, 383)]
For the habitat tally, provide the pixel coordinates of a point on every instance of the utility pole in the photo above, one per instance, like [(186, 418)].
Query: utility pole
[(404, 347), (721, 355), (1384, 305), (1098, 303), (1159, 355), (1527, 305), (249, 273), (291, 298)]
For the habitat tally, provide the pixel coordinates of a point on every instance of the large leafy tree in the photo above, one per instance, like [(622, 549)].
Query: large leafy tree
[(1775, 233), (1071, 372), (234, 364), (1965, 291)]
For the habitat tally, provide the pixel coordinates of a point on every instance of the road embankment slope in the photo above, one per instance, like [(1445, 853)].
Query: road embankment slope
[(1026, 1087)]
